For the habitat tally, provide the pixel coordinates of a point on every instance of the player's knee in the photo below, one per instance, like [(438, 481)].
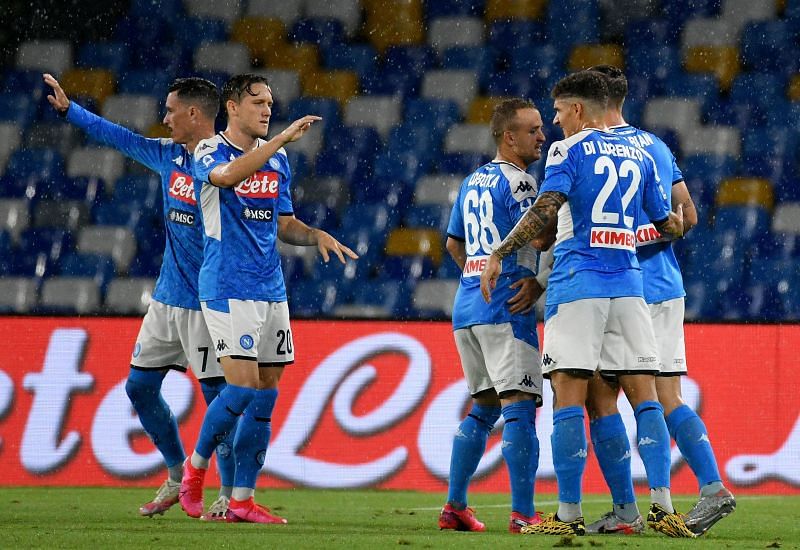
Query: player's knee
[(211, 388), (143, 384), (515, 396)]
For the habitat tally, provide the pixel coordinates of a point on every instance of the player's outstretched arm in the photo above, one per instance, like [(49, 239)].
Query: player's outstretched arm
[(535, 220), (293, 231), (241, 168)]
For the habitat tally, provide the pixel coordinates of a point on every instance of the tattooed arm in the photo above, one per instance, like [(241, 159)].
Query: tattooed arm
[(532, 223)]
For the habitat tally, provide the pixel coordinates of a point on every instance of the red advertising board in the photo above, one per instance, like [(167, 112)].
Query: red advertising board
[(367, 404)]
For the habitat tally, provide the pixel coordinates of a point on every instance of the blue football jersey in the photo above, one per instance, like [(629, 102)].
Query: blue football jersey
[(490, 202), (241, 259), (607, 181), (660, 269), (183, 254)]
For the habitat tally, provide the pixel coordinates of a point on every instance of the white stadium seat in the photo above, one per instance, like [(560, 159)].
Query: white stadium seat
[(109, 240), (285, 10), (436, 296), (786, 218), (469, 138), (226, 10), (284, 83), (135, 111), (102, 162), (460, 86), (380, 112), (346, 11), (222, 57), (445, 32), (75, 294), (712, 140), (676, 113), (17, 294), (50, 56), (440, 189), (709, 32), (10, 138), (128, 296), (14, 216)]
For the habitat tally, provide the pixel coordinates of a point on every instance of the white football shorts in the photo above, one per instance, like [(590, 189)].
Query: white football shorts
[(248, 329), (492, 357), (667, 319), (174, 337), (614, 335)]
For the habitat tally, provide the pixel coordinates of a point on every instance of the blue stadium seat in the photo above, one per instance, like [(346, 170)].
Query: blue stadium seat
[(52, 241), (702, 86), (388, 294), (770, 152), (449, 8), (571, 23), (433, 216), (141, 189), (764, 47), (703, 174), (361, 58), (316, 215), (646, 32), (27, 83), (408, 268), (100, 268), (327, 108), (104, 55), (677, 12), (349, 154), (479, 59), (145, 81), (438, 114), (505, 36), (378, 219), (415, 137), (146, 264), (311, 299), (327, 33), (17, 107), (541, 61), (462, 164), (387, 80), (404, 167), (127, 214), (413, 58), (156, 8), (449, 269), (43, 164), (299, 163), (744, 223), (659, 62), (778, 246), (768, 287), (192, 31)]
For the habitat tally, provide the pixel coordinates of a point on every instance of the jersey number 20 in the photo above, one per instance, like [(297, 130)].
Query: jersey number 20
[(481, 231)]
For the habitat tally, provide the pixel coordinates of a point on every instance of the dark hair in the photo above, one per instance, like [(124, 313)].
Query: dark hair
[(587, 85), (504, 115), (235, 88), (197, 90), (615, 80)]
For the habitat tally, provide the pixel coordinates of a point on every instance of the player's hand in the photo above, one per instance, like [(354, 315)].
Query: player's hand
[(674, 226), (327, 244), (59, 99), (529, 292), (299, 127), (489, 277)]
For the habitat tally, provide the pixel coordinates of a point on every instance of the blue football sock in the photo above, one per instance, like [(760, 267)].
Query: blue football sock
[(469, 443), (521, 453), (569, 452), (221, 417), (252, 438), (225, 462), (653, 442), (144, 390), (689, 432), (613, 451)]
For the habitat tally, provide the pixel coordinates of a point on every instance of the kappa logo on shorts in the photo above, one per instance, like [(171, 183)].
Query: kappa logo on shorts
[(246, 341), (221, 345), (527, 382), (137, 349), (547, 361)]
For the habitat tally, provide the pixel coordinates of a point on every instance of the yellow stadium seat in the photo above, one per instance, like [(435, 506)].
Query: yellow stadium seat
[(94, 83), (339, 85), (515, 9), (794, 88), (261, 35), (723, 61), (415, 242), (303, 58), (394, 23), (481, 109), (745, 192), (158, 130), (587, 55)]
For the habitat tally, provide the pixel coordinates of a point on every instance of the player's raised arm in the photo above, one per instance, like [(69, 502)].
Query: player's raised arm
[(293, 231), (241, 168)]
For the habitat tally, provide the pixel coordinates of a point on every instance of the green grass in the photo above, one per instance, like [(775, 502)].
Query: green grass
[(96, 518)]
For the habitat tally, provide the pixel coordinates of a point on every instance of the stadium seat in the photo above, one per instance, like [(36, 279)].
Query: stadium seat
[(10, 139), (144, 190), (190, 32), (129, 295), (260, 35), (746, 192), (339, 85), (506, 36), (14, 216), (286, 11), (376, 299), (303, 58), (69, 215), (570, 23), (222, 57), (462, 164), (361, 58), (117, 242), (326, 33), (434, 298), (584, 56), (741, 12), (697, 85), (458, 86), (436, 114), (17, 109), (45, 135), (99, 267), (714, 32), (714, 140), (660, 61), (793, 89), (312, 299), (346, 11), (481, 109), (445, 32), (113, 56), (50, 56), (403, 24), (41, 164), (144, 81), (679, 114), (428, 216), (437, 189), (331, 192), (515, 9), (349, 154), (102, 162), (479, 59), (73, 295), (722, 61), (379, 112), (469, 138), (763, 47), (137, 112), (285, 85), (226, 10), (18, 294), (748, 223), (95, 83), (415, 242), (53, 242), (786, 218)]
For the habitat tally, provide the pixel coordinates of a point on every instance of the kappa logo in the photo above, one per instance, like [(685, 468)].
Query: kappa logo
[(647, 441), (557, 152), (547, 361), (705, 438), (505, 444), (221, 345), (527, 382), (524, 187), (626, 456), (582, 453)]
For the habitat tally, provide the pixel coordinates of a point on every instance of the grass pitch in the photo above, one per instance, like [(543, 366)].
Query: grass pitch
[(99, 518)]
